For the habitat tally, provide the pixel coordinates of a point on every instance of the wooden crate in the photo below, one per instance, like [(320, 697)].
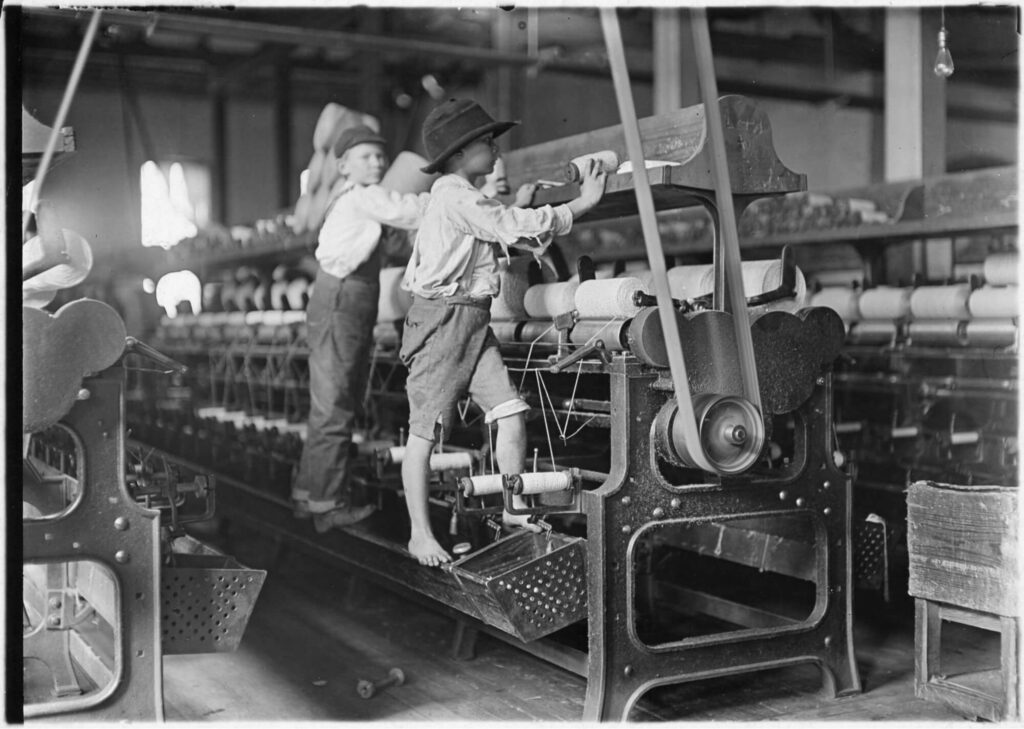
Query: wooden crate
[(962, 542)]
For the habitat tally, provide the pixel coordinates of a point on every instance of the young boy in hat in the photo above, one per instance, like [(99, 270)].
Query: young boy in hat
[(447, 343), (340, 318)]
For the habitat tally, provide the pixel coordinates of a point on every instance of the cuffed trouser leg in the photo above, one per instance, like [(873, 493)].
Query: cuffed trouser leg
[(340, 323)]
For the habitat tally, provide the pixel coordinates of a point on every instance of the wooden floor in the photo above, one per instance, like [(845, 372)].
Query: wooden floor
[(310, 640)]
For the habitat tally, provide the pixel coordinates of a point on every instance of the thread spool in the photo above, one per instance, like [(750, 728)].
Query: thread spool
[(612, 334), (937, 333), (539, 483), (293, 317), (994, 333), (491, 483), (873, 332), (506, 331), (261, 296), (546, 301), (842, 300), (940, 302), (885, 302), (760, 277), (70, 271), (644, 276), (536, 331), (994, 302), (508, 303), (450, 461), (438, 461), (607, 158), (298, 294), (1000, 269), (607, 299), (279, 295), (394, 301), (243, 299), (689, 282)]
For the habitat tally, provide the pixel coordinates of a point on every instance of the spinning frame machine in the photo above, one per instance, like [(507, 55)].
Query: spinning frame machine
[(110, 581), (719, 428)]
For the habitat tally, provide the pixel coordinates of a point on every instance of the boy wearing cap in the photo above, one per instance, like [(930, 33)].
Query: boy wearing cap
[(447, 344), (340, 318)]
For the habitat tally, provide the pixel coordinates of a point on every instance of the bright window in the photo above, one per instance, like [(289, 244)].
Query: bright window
[(175, 201)]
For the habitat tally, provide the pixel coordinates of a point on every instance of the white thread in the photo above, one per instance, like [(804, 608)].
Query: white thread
[(608, 298), (940, 302), (546, 301), (885, 302), (994, 302), (1001, 268), (547, 431)]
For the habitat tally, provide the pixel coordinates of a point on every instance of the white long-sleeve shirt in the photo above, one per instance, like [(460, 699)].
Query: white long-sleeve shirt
[(451, 255), (352, 227)]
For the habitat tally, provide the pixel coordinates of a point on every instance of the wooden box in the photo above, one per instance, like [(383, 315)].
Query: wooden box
[(962, 542)]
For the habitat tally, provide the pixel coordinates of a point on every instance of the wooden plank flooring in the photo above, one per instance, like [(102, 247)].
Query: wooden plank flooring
[(310, 640)]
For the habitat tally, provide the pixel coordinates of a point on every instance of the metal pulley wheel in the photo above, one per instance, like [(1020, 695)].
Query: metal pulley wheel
[(731, 431)]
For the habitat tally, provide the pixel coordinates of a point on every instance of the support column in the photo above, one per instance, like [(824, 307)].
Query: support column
[(283, 134), (675, 65), (915, 119)]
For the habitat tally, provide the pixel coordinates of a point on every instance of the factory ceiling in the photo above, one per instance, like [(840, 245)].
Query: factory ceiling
[(324, 50)]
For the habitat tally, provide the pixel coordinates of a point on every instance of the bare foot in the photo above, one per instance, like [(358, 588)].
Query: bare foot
[(427, 551), (521, 521)]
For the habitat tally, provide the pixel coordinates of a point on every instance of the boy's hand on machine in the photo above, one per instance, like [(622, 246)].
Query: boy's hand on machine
[(520, 521), (524, 195), (592, 183)]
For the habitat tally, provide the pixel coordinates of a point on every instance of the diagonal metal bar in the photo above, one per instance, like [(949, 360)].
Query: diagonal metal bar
[(652, 240), (729, 241)]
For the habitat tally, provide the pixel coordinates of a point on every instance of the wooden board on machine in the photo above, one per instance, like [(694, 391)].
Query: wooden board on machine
[(678, 136)]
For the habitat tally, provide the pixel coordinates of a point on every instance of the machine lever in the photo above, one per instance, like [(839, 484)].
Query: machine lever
[(596, 347), (133, 345)]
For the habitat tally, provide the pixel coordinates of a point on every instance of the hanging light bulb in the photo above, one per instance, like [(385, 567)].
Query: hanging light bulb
[(943, 59)]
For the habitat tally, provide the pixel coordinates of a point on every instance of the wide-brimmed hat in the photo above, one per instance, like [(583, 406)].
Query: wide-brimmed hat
[(453, 124), (358, 134)]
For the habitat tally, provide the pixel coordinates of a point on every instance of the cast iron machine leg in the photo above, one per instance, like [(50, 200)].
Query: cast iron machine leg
[(637, 499)]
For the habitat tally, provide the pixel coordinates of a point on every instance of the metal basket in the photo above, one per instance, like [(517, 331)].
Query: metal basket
[(206, 599), (527, 584)]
